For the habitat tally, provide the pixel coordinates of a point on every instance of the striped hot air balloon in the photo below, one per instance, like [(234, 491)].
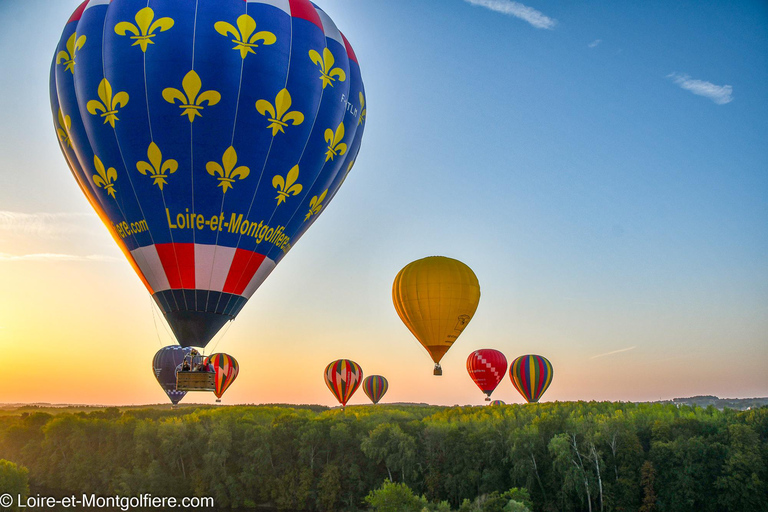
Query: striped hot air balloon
[(487, 368), (343, 377), (497, 402), (208, 136), (531, 375), (226, 369), (375, 386)]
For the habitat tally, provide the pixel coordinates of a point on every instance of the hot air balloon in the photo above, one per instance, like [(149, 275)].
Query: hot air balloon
[(208, 136), (343, 378), (375, 386), (487, 368), (531, 375), (225, 370), (164, 364), (435, 298), (497, 402)]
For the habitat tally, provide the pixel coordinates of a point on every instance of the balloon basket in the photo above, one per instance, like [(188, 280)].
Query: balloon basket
[(438, 370), (487, 399), (218, 400)]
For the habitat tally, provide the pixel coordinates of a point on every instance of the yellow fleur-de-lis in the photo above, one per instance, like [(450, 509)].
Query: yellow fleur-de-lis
[(67, 57), (191, 99), (287, 186), (227, 172), (278, 113), (328, 74), (245, 35), (362, 109), (65, 123), (109, 104), (156, 168), (335, 146), (143, 30), (316, 204), (105, 178)]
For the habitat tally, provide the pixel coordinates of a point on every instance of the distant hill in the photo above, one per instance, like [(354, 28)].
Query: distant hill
[(740, 404)]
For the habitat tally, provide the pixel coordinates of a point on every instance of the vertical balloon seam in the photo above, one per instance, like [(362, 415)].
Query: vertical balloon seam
[(350, 137), (269, 152), (85, 132), (114, 130)]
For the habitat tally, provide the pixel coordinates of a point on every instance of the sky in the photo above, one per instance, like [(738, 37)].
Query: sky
[(601, 166)]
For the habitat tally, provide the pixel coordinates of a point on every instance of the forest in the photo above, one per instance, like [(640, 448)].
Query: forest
[(562, 456)]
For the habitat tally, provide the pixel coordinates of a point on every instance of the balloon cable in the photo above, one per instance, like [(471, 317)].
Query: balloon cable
[(229, 324), (154, 320)]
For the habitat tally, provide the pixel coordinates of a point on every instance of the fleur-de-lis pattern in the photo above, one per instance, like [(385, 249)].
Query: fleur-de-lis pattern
[(109, 105), (362, 109), (328, 73), (104, 178), (287, 186), (210, 128), (278, 114), (228, 171), (67, 57), (316, 204), (192, 101), (144, 29), (65, 123), (156, 167), (335, 146), (245, 36)]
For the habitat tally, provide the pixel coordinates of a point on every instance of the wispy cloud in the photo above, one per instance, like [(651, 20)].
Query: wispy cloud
[(595, 43), (54, 257), (613, 352), (518, 10), (720, 94), (44, 225)]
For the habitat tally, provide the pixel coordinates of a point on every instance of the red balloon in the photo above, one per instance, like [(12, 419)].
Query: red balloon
[(487, 368), (226, 369)]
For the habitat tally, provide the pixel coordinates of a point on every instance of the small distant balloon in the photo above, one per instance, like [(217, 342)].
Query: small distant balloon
[(343, 377), (436, 298), (375, 386), (225, 368), (164, 365), (531, 375), (487, 368), (497, 402)]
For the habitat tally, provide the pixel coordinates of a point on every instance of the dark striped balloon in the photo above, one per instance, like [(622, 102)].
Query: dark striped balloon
[(164, 367), (531, 375), (226, 369), (375, 386), (343, 377)]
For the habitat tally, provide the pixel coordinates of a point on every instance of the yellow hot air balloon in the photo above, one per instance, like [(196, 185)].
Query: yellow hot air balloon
[(436, 298)]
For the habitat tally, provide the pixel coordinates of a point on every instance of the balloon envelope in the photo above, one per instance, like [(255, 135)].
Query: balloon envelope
[(208, 136), (164, 365), (487, 368), (436, 298), (343, 377), (226, 369), (531, 375), (497, 402), (375, 386)]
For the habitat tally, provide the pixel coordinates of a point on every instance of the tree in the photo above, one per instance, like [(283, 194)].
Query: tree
[(395, 497), (14, 480)]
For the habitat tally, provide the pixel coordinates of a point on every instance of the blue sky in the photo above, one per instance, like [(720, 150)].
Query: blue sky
[(602, 166)]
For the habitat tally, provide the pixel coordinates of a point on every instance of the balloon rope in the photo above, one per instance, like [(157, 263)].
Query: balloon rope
[(154, 320), (229, 324)]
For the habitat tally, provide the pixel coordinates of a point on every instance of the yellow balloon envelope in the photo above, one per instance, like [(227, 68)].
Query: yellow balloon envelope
[(436, 298)]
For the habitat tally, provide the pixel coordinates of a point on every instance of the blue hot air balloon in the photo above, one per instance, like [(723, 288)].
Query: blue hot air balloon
[(164, 365), (208, 136)]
